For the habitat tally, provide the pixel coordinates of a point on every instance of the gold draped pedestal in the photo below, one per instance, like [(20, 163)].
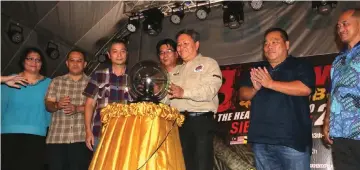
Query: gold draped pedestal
[(131, 133)]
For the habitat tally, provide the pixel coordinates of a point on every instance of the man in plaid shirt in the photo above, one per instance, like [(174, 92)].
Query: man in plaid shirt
[(106, 86), (66, 137)]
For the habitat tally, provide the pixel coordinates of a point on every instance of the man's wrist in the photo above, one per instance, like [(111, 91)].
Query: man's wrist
[(76, 108), (271, 84), (88, 130), (56, 106)]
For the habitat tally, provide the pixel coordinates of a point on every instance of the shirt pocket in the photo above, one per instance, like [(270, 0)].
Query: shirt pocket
[(193, 79)]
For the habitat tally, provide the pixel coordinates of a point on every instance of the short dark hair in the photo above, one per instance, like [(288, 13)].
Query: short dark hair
[(191, 32), (28, 50), (76, 50), (117, 41), (282, 32), (166, 41)]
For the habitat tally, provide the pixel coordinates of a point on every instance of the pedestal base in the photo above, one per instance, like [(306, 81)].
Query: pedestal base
[(139, 135)]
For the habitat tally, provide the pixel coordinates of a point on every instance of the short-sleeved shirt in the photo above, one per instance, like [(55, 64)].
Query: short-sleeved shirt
[(345, 94), (277, 118), (201, 80), (67, 128), (106, 87), (23, 110)]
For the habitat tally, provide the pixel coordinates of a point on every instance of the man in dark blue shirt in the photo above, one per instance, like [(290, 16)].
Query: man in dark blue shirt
[(279, 90)]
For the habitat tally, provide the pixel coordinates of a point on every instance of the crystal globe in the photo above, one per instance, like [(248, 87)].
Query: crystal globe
[(148, 81)]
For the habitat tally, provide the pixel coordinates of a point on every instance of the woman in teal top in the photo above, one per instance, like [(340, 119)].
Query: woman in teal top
[(24, 119)]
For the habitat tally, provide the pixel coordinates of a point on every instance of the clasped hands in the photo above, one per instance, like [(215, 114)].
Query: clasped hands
[(260, 77), (65, 104)]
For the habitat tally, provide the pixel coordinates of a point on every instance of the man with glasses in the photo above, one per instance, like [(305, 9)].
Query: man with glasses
[(193, 92), (106, 86), (169, 58)]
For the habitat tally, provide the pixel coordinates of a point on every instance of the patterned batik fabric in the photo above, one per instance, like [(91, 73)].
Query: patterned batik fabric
[(345, 95)]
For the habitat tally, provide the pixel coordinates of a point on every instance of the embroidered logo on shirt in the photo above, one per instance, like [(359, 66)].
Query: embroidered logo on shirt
[(175, 74), (199, 68)]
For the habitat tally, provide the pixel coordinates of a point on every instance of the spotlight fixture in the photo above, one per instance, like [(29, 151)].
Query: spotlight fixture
[(324, 7), (256, 4), (202, 12), (52, 51), (289, 2), (133, 23), (177, 14), (102, 58), (153, 21), (15, 33), (233, 15)]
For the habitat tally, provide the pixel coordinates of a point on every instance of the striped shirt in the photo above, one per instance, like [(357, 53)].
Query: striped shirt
[(67, 128), (106, 87)]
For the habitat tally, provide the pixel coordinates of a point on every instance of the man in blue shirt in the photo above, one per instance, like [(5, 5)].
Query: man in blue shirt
[(342, 119), (279, 89)]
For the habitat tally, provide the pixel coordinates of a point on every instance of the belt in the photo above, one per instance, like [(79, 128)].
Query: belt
[(194, 114)]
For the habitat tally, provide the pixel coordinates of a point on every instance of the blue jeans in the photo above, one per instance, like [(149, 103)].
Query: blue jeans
[(277, 157)]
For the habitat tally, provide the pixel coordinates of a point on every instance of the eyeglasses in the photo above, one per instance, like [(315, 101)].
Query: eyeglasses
[(166, 52), (37, 60)]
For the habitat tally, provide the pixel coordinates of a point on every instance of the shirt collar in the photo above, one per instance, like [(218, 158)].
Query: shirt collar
[(111, 70), (197, 57), (268, 66), (345, 49), (67, 76)]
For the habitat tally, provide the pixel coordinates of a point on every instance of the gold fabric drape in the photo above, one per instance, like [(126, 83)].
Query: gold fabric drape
[(132, 133)]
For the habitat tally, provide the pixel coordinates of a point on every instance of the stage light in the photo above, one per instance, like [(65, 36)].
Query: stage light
[(233, 15), (324, 7), (52, 51), (256, 4), (177, 15), (133, 24), (289, 2), (202, 12), (153, 21), (102, 58), (15, 33)]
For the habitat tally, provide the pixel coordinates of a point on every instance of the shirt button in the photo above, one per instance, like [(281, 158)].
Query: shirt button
[(72, 117), (70, 127)]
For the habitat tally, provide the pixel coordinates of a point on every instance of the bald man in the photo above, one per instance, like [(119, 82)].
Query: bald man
[(342, 120)]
